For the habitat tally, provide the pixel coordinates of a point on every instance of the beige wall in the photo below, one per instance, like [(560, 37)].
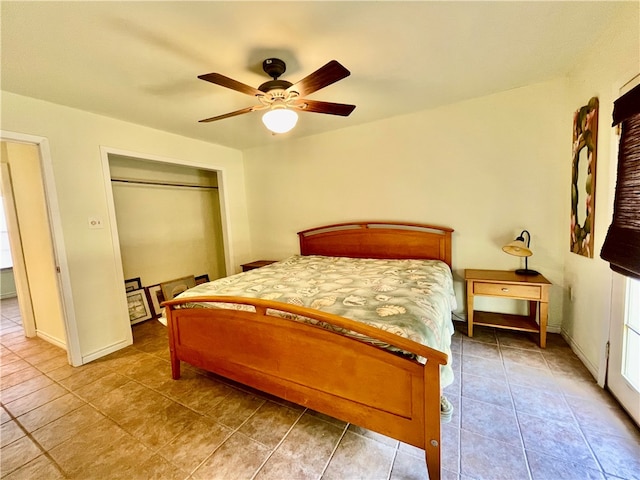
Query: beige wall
[(75, 138), (487, 167)]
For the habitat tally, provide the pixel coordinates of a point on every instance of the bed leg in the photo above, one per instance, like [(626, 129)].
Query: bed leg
[(432, 418), (172, 326), (175, 367), (432, 457)]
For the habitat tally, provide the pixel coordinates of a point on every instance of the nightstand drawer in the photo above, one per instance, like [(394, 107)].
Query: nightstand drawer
[(532, 292)]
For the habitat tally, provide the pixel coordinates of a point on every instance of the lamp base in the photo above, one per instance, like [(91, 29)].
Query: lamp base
[(527, 272)]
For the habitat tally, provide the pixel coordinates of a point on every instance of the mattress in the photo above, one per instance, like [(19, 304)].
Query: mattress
[(410, 298)]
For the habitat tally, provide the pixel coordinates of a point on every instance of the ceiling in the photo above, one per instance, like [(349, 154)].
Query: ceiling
[(139, 61)]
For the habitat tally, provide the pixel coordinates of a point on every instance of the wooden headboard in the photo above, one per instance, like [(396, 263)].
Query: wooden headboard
[(378, 240)]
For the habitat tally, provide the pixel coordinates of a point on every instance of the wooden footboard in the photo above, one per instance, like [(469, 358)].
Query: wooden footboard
[(315, 367)]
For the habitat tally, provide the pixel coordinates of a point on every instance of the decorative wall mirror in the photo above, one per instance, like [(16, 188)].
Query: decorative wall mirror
[(583, 178)]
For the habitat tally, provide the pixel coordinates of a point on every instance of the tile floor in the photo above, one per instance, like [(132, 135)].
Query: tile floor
[(521, 413)]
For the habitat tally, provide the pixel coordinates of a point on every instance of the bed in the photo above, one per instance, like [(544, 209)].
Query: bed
[(367, 375)]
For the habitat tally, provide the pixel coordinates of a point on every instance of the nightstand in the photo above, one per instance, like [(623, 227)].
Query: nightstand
[(257, 264), (507, 284)]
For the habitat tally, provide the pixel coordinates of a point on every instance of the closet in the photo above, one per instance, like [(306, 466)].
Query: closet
[(168, 219)]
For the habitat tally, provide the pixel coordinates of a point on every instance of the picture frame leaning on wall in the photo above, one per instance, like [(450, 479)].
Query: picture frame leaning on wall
[(140, 308)]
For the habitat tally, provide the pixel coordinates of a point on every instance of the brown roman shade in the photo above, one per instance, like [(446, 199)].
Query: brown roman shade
[(622, 246)]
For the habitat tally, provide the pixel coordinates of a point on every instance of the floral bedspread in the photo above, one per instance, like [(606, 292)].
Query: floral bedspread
[(410, 298)]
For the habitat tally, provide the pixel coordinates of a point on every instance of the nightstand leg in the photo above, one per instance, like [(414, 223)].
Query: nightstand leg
[(544, 311), (533, 310), (470, 309)]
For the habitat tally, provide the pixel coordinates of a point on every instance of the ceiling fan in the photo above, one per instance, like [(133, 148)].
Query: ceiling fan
[(281, 98)]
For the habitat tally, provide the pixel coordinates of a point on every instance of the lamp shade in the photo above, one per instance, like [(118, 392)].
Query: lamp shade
[(280, 119), (517, 248)]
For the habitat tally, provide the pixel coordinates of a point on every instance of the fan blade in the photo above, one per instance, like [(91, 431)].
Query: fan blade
[(324, 76), (227, 115), (315, 106), (230, 83)]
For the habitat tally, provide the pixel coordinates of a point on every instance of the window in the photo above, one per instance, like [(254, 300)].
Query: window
[(631, 335), (5, 248)]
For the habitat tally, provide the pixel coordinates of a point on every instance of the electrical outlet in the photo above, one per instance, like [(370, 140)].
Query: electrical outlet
[(95, 222), (571, 294)]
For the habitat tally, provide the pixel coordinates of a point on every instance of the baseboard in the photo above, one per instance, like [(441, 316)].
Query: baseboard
[(105, 351), (8, 295), (48, 338), (593, 369)]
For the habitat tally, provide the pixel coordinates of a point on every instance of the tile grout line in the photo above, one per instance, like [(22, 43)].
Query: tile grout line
[(515, 412), (37, 444), (576, 422), (395, 455), (278, 445), (578, 425), (333, 452), (23, 428), (89, 403)]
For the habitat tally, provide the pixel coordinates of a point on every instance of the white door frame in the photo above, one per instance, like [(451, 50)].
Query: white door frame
[(55, 225)]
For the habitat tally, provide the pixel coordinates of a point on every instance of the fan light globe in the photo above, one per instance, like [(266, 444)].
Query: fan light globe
[(280, 119)]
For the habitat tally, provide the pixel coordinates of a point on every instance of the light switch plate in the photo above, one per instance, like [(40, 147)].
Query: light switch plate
[(95, 222)]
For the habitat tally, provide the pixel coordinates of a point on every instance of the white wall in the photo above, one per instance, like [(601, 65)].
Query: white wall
[(487, 167), (614, 60), (75, 138)]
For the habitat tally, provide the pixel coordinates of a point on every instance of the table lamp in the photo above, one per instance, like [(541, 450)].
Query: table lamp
[(521, 249)]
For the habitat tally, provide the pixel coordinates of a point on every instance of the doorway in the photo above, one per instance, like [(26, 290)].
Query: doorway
[(39, 263), (623, 369)]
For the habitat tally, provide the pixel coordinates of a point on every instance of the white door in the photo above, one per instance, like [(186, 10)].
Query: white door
[(623, 375), (623, 371)]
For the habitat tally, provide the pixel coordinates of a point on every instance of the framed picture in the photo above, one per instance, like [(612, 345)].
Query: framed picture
[(132, 284), (583, 178), (173, 288), (202, 279), (139, 306), (155, 294)]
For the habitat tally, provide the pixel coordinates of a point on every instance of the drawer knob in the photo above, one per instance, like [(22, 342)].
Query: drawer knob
[(505, 289)]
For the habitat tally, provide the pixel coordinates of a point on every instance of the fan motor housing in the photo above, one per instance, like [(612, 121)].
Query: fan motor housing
[(274, 85), (274, 67)]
